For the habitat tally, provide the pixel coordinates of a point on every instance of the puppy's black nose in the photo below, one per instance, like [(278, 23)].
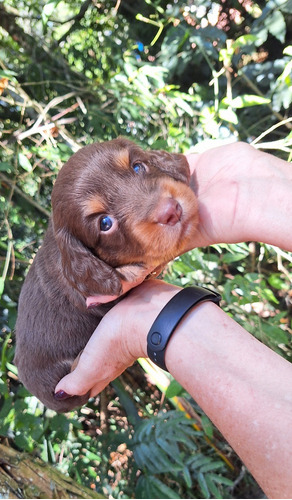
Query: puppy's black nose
[(168, 212)]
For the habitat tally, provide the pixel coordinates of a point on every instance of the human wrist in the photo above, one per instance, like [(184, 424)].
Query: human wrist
[(171, 315), (140, 309), (187, 344)]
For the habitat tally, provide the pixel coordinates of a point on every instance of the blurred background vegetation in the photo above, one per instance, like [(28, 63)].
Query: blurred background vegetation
[(174, 75)]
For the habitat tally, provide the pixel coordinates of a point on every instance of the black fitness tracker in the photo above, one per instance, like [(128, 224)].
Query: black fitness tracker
[(170, 316)]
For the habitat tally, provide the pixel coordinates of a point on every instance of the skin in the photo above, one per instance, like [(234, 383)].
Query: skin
[(243, 386)]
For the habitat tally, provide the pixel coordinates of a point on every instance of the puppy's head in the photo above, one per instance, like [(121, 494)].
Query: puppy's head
[(120, 211)]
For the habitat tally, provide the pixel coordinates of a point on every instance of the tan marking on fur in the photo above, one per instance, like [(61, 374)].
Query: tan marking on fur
[(159, 242), (94, 205), (163, 243), (122, 159)]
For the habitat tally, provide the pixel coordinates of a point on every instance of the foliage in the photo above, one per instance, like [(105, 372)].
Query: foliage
[(167, 445), (178, 76)]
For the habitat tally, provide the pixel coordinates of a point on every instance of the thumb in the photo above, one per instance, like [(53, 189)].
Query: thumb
[(82, 379), (102, 360), (73, 384)]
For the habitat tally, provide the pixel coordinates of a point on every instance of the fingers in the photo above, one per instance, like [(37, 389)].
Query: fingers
[(101, 361), (79, 381), (120, 338)]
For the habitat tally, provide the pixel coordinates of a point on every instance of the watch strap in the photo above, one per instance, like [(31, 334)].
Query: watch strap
[(170, 316)]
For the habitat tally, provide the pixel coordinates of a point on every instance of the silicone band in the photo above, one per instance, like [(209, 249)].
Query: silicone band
[(170, 316)]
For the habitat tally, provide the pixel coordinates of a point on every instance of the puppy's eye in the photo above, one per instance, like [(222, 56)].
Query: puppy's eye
[(139, 168), (105, 223)]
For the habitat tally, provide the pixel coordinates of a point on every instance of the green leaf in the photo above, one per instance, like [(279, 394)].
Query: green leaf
[(245, 101), (187, 477), (164, 490), (268, 295), (174, 389), (275, 333), (12, 368), (5, 166), (10, 75), (288, 51), (2, 283), (170, 447), (228, 115), (211, 466), (207, 426), (184, 106), (153, 457), (24, 442), (220, 479), (212, 487), (275, 23), (92, 456), (6, 408), (277, 282), (49, 8), (203, 485), (197, 461), (233, 257), (151, 487), (24, 162), (244, 40)]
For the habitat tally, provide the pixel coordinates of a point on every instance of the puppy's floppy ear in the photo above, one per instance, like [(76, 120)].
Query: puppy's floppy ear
[(84, 271), (174, 164)]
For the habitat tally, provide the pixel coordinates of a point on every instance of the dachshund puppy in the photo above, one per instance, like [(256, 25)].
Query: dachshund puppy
[(118, 214)]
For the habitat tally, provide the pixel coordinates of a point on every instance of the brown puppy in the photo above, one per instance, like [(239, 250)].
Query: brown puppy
[(118, 211)]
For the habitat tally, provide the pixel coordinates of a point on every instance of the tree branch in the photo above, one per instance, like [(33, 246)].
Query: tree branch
[(36, 51), (30, 200), (76, 22)]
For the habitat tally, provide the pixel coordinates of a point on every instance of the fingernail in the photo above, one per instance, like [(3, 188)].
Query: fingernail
[(62, 395)]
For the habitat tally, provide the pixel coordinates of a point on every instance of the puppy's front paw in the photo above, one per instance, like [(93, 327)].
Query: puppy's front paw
[(133, 273)]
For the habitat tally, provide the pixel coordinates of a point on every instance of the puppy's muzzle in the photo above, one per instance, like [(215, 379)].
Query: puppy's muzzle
[(168, 212)]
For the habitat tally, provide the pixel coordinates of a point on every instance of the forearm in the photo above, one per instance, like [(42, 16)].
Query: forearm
[(244, 195), (245, 389)]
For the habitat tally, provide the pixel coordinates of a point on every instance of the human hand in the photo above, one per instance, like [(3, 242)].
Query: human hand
[(114, 346), (243, 195)]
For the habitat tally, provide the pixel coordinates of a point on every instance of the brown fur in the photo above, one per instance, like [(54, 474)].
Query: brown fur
[(77, 260)]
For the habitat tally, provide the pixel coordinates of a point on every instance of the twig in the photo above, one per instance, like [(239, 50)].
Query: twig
[(65, 111), (258, 92), (39, 130), (266, 132), (54, 102), (238, 479), (30, 200), (117, 6), (158, 24), (285, 255), (75, 20), (17, 90), (280, 145), (282, 268), (8, 254)]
